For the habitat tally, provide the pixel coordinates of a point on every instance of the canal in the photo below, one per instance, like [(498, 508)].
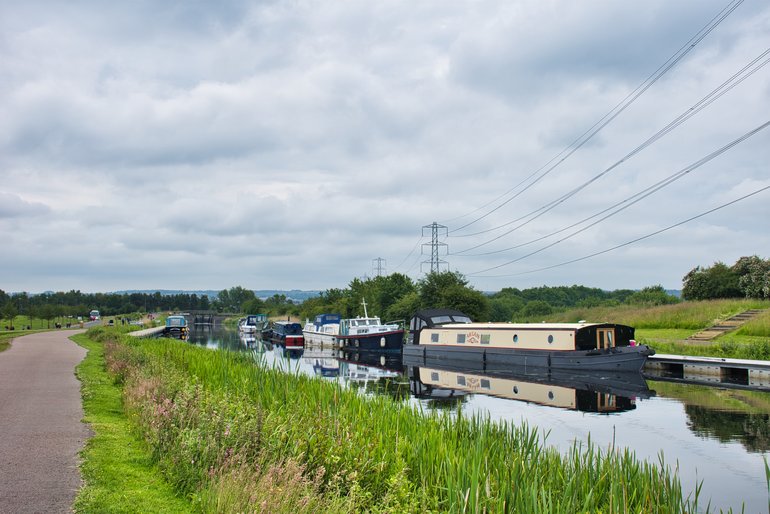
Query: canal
[(716, 436)]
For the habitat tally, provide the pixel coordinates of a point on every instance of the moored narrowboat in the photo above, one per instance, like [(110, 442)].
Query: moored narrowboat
[(286, 333), (449, 335)]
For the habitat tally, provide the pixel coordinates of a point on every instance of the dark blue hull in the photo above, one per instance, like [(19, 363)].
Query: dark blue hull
[(382, 341), (622, 358)]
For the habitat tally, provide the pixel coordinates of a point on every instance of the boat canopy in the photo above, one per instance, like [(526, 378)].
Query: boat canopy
[(434, 317), (327, 319)]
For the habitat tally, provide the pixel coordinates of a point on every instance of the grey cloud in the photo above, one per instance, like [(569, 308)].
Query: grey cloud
[(14, 206)]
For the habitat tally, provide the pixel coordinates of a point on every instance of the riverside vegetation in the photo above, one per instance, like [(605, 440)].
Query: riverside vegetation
[(666, 327), (233, 435)]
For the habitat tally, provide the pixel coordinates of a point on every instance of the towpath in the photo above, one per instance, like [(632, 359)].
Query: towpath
[(41, 430)]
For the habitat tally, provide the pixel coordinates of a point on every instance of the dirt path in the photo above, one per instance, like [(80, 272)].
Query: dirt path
[(40, 423)]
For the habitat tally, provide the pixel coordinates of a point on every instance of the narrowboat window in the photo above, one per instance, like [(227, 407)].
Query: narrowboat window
[(550, 339), (460, 338), (515, 338), (434, 376), (485, 383), (485, 338), (434, 338), (515, 389), (461, 380)]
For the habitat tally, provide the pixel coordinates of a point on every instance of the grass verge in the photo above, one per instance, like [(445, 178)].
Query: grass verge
[(117, 469)]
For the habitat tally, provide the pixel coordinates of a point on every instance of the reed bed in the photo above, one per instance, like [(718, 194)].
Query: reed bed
[(241, 437)]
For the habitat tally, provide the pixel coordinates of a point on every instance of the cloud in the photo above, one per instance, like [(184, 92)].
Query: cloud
[(285, 144), (14, 206)]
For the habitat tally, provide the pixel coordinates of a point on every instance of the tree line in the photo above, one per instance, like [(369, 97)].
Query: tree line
[(397, 297)]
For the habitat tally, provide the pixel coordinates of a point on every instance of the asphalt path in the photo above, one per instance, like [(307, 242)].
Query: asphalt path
[(41, 431)]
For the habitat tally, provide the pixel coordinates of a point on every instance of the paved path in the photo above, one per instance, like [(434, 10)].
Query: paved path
[(40, 423)]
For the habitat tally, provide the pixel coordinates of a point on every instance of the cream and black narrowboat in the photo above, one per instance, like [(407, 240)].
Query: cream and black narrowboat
[(449, 335)]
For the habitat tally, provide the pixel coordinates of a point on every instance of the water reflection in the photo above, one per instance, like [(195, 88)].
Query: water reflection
[(606, 394)]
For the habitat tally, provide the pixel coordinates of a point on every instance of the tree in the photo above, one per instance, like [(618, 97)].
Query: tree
[(753, 276), (652, 295), (9, 312), (718, 281), (231, 300), (449, 289)]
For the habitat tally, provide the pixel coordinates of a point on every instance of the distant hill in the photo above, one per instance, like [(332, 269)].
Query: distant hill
[(293, 294)]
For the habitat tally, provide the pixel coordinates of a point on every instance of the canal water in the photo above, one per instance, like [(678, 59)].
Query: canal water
[(712, 435)]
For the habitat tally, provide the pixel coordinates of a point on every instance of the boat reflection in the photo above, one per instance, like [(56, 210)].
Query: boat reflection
[(323, 360), (596, 392)]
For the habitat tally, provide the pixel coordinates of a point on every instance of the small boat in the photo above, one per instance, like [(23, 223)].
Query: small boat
[(360, 333), (176, 326), (285, 333), (252, 323), (323, 330), (448, 335)]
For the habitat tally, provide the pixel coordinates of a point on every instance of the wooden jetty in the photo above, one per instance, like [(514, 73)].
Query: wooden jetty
[(148, 332)]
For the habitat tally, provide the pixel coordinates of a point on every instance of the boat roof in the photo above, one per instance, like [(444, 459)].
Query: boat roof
[(523, 326)]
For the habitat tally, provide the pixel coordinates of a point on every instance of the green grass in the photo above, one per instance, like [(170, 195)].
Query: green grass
[(117, 471), (221, 425), (686, 315)]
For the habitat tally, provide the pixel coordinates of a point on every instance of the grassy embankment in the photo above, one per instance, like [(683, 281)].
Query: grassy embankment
[(117, 470), (666, 327), (236, 436)]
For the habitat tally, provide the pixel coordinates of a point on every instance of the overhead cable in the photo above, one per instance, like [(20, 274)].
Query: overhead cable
[(737, 78), (607, 118), (621, 206), (627, 243)]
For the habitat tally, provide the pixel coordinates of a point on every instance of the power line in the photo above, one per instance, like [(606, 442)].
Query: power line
[(627, 243), (737, 78), (410, 253), (628, 202), (610, 116)]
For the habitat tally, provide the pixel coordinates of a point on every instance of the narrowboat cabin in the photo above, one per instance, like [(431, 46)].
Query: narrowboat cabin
[(176, 326), (449, 335), (287, 334)]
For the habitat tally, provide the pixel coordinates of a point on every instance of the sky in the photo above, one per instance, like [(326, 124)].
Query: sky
[(288, 144)]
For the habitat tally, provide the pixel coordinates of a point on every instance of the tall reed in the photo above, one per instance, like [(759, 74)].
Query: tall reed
[(219, 421)]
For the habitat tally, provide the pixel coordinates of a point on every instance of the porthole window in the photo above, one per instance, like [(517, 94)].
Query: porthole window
[(550, 339), (515, 389), (515, 338), (550, 395)]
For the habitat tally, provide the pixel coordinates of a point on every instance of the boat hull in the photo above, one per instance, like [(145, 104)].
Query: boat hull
[(378, 341), (621, 358)]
